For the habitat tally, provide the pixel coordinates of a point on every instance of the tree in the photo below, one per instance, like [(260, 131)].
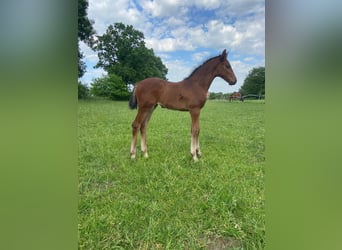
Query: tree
[(86, 33), (254, 82), (121, 51), (111, 86)]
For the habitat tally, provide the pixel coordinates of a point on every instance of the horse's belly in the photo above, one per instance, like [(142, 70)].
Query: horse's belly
[(174, 106)]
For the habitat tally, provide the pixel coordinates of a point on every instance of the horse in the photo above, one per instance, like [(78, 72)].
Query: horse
[(189, 95), (236, 95)]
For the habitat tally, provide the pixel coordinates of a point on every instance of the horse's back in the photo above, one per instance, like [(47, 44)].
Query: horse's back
[(151, 82)]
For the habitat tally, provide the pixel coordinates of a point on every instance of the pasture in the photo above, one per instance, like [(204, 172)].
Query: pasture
[(168, 201)]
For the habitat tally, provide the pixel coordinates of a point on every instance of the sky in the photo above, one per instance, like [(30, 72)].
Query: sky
[(185, 33)]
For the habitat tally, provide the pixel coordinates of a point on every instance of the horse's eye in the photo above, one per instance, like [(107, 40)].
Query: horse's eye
[(227, 66)]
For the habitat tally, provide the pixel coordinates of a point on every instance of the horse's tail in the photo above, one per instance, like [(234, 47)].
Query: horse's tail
[(133, 100)]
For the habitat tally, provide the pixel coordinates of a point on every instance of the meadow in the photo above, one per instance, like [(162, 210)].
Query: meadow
[(168, 201)]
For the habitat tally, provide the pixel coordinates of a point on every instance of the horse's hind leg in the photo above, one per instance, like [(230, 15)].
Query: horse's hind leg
[(194, 147), (143, 129), (136, 125)]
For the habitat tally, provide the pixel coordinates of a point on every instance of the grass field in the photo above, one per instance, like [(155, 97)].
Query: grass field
[(167, 201)]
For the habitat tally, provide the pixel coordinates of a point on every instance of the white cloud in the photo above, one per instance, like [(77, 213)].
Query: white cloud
[(89, 55), (168, 44), (200, 56), (161, 8), (178, 70), (247, 37), (173, 33), (241, 8), (106, 12), (177, 8), (174, 22), (207, 4), (220, 35)]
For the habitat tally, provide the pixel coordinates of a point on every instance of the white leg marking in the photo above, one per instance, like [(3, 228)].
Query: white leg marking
[(193, 149), (144, 147), (133, 150), (132, 156)]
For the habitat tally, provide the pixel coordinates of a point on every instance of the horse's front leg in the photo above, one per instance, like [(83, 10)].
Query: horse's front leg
[(194, 147)]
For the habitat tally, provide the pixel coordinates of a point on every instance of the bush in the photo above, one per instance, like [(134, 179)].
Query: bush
[(111, 86), (83, 91)]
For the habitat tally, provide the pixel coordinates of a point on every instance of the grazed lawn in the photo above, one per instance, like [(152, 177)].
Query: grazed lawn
[(167, 201)]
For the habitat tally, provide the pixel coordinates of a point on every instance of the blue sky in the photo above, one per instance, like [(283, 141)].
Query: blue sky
[(184, 33)]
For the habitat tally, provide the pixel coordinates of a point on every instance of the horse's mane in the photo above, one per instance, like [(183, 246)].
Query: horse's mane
[(194, 71)]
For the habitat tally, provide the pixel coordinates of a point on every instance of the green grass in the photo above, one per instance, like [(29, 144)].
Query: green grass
[(167, 201)]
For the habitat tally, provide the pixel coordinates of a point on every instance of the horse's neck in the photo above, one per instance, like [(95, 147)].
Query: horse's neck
[(204, 76)]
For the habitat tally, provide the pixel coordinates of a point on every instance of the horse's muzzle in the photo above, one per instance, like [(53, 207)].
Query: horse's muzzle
[(232, 82)]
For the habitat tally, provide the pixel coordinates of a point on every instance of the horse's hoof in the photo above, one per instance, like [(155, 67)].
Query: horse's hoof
[(145, 155), (132, 157), (194, 158)]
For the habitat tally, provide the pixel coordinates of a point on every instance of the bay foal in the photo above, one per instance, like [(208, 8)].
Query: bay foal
[(187, 95)]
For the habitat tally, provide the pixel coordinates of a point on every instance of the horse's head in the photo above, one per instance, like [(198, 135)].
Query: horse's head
[(225, 70)]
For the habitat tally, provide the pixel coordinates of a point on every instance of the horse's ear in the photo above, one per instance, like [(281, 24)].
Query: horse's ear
[(224, 55)]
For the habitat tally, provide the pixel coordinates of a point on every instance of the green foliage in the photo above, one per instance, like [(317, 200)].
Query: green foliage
[(167, 201), (83, 91), (81, 64), (254, 82), (85, 33), (85, 25), (110, 86), (122, 51), (145, 64)]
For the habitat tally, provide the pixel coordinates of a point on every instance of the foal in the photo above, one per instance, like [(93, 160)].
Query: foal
[(187, 95)]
